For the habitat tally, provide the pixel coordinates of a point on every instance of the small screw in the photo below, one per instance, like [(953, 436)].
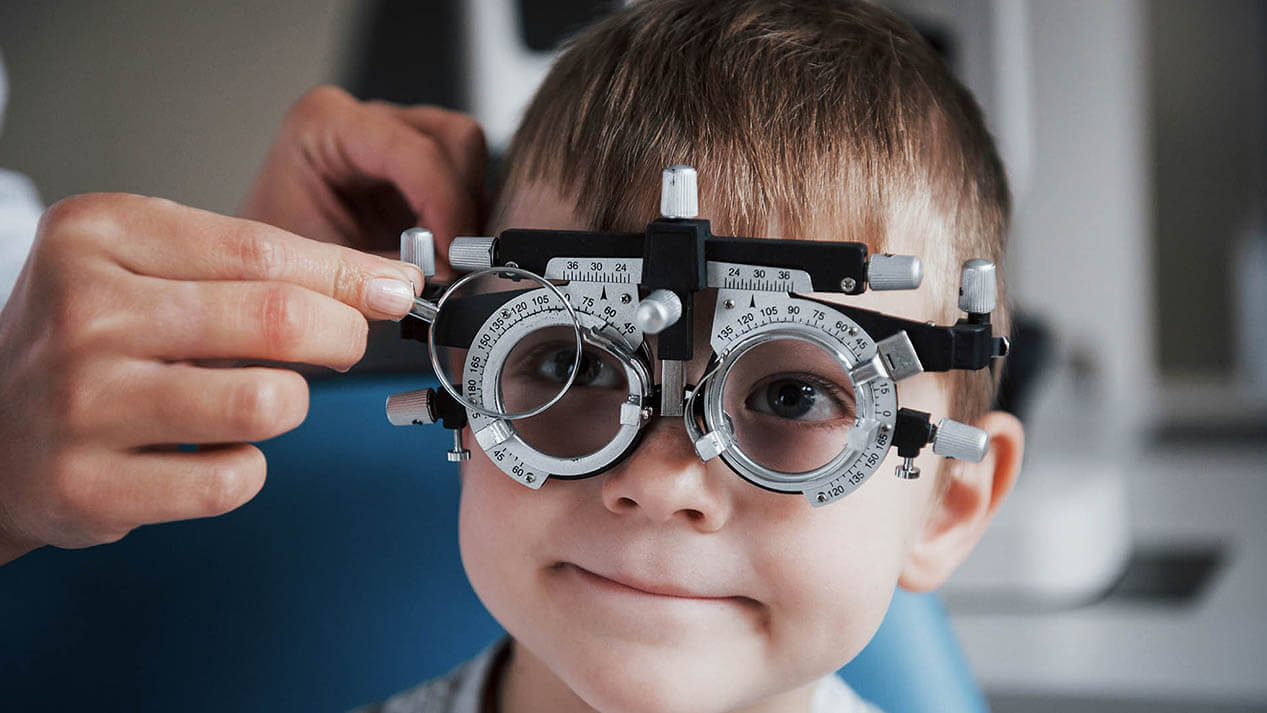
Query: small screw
[(853, 331), (505, 314), (822, 497), (884, 428), (848, 283), (625, 299), (728, 304), (529, 479)]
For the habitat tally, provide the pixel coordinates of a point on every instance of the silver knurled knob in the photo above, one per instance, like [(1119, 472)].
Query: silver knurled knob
[(412, 408), (894, 272), (978, 288), (659, 311), (960, 441), (679, 194), (417, 247), (471, 254)]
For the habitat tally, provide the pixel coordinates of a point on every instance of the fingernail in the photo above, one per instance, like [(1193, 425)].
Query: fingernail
[(418, 279), (389, 296)]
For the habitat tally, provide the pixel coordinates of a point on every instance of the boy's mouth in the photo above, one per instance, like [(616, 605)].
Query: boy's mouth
[(631, 583)]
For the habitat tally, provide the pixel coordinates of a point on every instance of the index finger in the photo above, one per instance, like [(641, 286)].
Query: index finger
[(458, 134), (183, 243)]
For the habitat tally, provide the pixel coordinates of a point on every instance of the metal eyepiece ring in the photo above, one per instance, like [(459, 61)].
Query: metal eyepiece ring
[(441, 373), (715, 416)]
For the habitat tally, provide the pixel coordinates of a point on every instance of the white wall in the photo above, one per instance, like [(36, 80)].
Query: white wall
[(167, 98), (1082, 249)]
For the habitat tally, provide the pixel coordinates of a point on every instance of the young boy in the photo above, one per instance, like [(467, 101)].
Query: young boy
[(667, 583)]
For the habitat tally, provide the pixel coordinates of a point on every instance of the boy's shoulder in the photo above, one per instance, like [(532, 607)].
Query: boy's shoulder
[(458, 691), (462, 690)]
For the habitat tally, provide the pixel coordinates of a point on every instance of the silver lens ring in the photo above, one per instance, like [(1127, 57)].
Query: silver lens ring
[(517, 458), (715, 415), (638, 379), (441, 374), (859, 455)]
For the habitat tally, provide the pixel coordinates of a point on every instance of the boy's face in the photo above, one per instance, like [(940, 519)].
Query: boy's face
[(760, 593)]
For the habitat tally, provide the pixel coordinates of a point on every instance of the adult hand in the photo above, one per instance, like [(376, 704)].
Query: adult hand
[(358, 173), (101, 345)]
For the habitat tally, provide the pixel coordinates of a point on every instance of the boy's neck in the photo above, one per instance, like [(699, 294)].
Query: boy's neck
[(522, 683)]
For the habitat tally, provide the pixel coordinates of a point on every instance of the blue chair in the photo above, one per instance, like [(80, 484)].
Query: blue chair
[(339, 584)]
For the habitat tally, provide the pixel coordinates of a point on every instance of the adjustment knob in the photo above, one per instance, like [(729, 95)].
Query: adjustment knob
[(960, 441), (417, 247), (412, 408), (894, 272), (978, 289), (659, 311), (679, 195), (471, 254)]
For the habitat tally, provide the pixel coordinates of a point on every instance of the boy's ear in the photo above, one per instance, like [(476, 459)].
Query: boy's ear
[(969, 500)]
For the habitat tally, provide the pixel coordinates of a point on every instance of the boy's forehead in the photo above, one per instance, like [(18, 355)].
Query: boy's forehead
[(536, 205), (539, 205)]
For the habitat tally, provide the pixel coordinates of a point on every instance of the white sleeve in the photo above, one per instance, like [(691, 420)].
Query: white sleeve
[(833, 695), (19, 212)]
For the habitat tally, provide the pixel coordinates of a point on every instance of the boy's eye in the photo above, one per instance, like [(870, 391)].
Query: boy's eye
[(555, 365), (801, 398)]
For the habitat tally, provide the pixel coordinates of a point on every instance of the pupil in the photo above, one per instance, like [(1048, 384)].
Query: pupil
[(790, 399), (562, 367)]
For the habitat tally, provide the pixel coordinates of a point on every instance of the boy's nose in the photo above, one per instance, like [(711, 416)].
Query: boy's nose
[(664, 480)]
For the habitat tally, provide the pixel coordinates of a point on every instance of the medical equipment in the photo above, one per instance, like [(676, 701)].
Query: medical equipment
[(543, 350)]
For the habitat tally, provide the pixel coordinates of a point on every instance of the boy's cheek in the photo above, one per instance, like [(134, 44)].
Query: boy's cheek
[(496, 536), (504, 526), (488, 516), (832, 570)]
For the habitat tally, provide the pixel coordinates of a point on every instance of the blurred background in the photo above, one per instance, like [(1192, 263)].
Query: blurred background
[(1127, 572)]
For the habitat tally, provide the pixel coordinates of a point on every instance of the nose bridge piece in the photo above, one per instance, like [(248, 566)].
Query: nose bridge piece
[(672, 392)]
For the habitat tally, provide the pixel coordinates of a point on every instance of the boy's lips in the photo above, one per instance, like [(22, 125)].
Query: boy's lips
[(647, 586)]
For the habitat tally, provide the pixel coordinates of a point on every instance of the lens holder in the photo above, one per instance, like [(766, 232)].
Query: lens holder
[(775, 316)]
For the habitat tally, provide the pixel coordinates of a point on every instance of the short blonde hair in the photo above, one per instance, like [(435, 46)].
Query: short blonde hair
[(829, 120)]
